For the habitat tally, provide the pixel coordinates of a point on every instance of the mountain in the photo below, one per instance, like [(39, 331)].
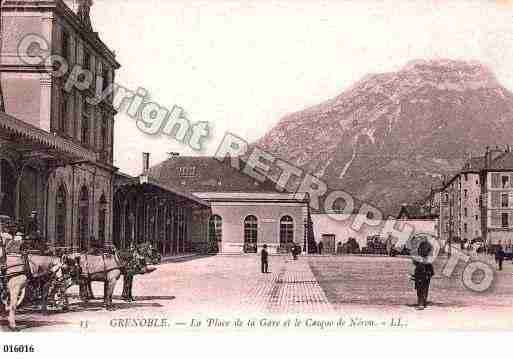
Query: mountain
[(392, 136)]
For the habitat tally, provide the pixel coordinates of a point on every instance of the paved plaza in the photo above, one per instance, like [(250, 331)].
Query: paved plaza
[(367, 288)]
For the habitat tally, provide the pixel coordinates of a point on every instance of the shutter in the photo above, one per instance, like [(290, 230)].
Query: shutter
[(495, 199)]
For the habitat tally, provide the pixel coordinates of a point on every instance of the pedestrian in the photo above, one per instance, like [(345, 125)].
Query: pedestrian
[(423, 273), (295, 251), (321, 247), (264, 256), (499, 255)]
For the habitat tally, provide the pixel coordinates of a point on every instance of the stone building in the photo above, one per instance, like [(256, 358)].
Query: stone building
[(246, 214), (63, 167), (56, 147), (476, 203)]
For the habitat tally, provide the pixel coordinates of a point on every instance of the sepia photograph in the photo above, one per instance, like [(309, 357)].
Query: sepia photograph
[(270, 167)]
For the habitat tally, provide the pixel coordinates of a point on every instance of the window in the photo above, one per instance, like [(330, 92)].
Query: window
[(83, 218), (86, 119), (466, 176), (286, 231), (505, 181), (103, 134), (250, 234), (64, 114), (216, 232), (495, 180), (465, 211), (465, 228), (87, 61), (477, 218), (495, 199), (505, 220), (60, 217), (187, 172), (105, 76), (504, 200), (465, 193)]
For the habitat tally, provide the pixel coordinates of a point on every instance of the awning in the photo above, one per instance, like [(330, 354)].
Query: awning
[(147, 182), (41, 141)]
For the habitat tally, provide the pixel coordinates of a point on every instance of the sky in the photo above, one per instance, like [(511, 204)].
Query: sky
[(243, 65)]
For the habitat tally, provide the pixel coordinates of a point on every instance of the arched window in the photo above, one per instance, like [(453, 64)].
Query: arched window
[(60, 217), (102, 218), (286, 231), (83, 218), (215, 231), (250, 234)]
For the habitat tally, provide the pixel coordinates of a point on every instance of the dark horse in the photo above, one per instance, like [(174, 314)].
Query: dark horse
[(136, 262)]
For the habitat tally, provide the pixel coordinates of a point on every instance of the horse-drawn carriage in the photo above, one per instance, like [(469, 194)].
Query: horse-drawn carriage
[(41, 277)]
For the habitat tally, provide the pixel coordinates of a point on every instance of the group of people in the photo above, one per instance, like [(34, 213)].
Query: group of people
[(16, 238)]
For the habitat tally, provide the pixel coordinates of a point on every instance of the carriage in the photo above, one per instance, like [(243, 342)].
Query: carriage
[(33, 275)]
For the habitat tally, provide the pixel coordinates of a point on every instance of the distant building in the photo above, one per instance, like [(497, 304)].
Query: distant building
[(246, 214), (476, 203)]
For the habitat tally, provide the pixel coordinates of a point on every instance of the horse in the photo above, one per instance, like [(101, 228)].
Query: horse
[(18, 270), (105, 268), (136, 260)]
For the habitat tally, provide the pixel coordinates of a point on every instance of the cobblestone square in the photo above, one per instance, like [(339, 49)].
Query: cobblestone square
[(374, 288)]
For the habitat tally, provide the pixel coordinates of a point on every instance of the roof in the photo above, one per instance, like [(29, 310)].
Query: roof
[(45, 140), (409, 211), (475, 164), (503, 162), (123, 179), (208, 174), (254, 197)]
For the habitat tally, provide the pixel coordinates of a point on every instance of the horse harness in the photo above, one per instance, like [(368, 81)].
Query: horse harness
[(105, 271)]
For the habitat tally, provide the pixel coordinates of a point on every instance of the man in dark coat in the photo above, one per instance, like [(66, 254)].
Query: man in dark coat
[(423, 273), (321, 247), (264, 257), (499, 255)]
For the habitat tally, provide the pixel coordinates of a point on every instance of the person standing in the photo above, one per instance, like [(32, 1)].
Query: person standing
[(423, 273), (264, 258), (321, 247), (499, 255)]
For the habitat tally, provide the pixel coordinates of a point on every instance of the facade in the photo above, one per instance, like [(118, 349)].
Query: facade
[(475, 205), (56, 149), (246, 214), (72, 195)]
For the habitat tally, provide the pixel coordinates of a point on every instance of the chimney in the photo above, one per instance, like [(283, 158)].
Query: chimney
[(146, 162)]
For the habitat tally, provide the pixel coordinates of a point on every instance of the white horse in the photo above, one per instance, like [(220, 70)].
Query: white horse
[(15, 275)]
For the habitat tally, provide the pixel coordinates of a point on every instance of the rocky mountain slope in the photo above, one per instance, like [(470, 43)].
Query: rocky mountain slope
[(392, 136)]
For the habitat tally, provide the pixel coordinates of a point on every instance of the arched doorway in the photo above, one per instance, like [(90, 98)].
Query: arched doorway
[(250, 234), (29, 194), (117, 219), (286, 233), (7, 189), (102, 220), (83, 218), (60, 216), (215, 232)]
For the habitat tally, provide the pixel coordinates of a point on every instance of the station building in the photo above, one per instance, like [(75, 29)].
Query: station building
[(56, 148), (245, 213)]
